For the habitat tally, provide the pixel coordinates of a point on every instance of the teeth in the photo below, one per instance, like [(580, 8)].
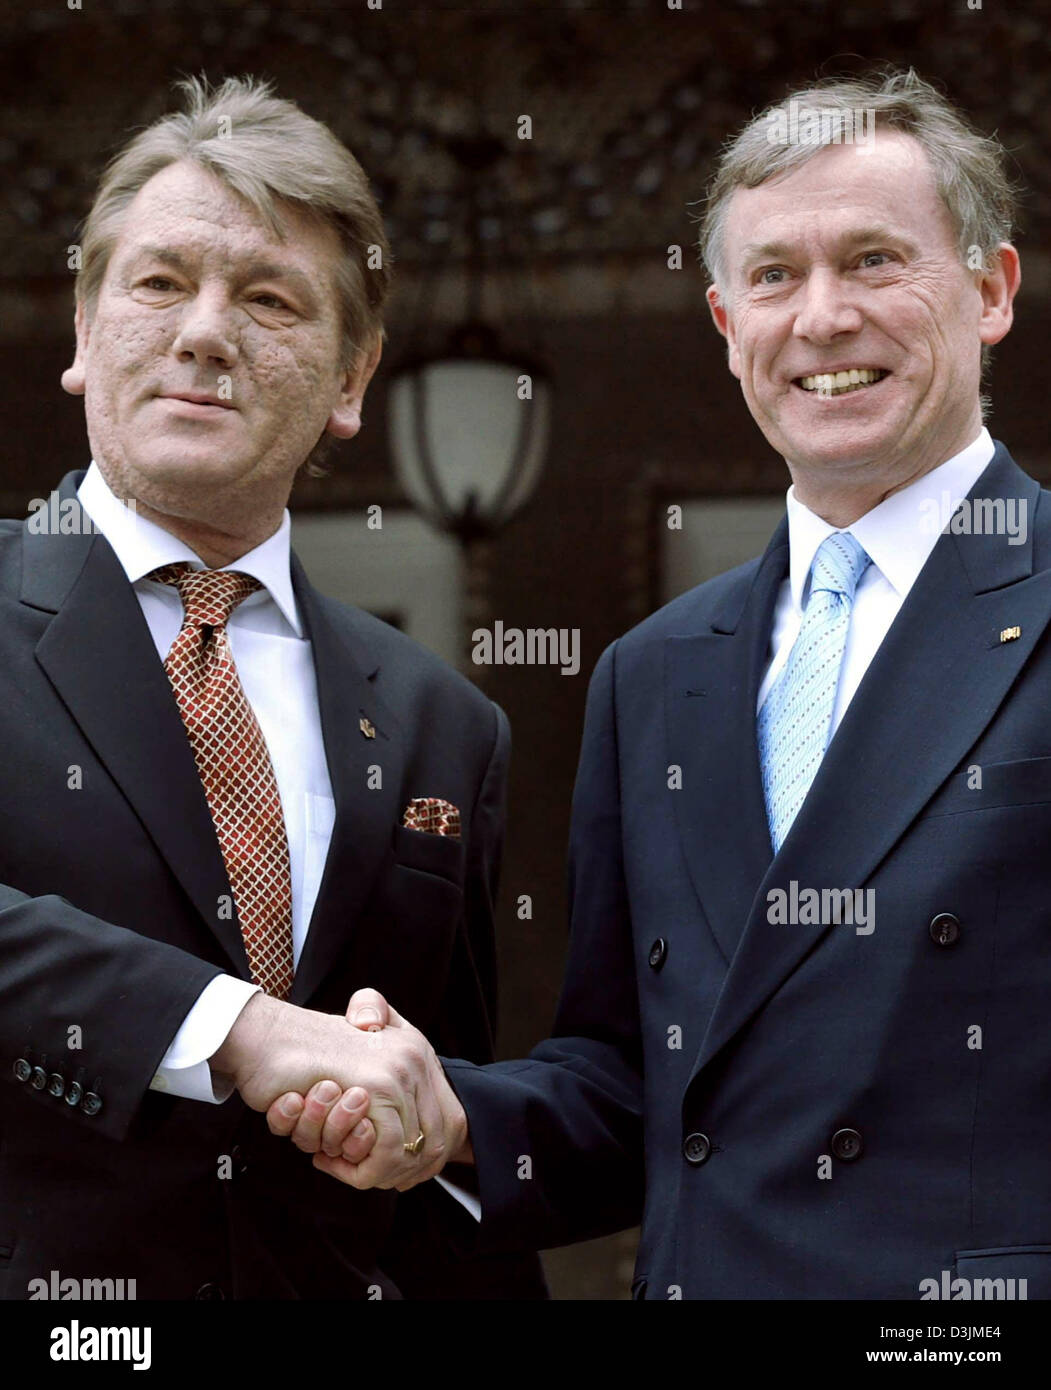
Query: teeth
[(835, 383)]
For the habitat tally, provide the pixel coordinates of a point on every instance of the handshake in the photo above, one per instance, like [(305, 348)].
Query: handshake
[(365, 1094)]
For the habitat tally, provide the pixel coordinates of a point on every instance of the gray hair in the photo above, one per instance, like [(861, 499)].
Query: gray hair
[(269, 151), (969, 167)]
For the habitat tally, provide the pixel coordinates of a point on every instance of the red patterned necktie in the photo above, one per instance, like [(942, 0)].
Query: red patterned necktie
[(234, 766)]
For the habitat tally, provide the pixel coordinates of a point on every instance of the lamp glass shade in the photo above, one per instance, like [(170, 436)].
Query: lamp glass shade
[(459, 431)]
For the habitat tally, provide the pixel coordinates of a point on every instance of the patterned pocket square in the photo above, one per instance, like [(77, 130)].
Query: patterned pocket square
[(433, 816)]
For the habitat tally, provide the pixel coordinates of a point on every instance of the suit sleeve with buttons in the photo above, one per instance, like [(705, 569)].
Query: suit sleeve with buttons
[(62, 970)]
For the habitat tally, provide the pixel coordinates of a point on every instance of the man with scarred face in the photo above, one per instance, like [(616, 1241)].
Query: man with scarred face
[(228, 802)]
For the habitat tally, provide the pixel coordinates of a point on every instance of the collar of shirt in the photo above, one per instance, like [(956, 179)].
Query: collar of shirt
[(141, 546), (897, 534)]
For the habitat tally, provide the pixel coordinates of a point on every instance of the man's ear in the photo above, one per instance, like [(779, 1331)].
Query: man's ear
[(998, 288), (724, 324), (73, 378), (345, 420)]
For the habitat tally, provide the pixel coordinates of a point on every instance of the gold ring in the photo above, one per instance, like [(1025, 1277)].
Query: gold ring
[(416, 1145)]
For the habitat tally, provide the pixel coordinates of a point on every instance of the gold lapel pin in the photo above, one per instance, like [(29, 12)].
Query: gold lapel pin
[(1010, 634), (367, 727)]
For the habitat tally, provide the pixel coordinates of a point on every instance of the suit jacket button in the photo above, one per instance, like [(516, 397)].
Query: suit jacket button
[(23, 1071), (91, 1104), (209, 1291), (847, 1145), (56, 1085), (38, 1078), (73, 1095), (945, 929), (658, 951), (697, 1149)]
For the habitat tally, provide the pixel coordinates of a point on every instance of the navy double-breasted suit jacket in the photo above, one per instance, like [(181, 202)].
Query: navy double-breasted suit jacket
[(802, 1110)]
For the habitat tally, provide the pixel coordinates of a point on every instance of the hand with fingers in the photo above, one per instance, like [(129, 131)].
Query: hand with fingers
[(276, 1048), (337, 1126)]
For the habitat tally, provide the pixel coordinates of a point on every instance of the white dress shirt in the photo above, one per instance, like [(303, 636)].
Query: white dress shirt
[(276, 666), (898, 536)]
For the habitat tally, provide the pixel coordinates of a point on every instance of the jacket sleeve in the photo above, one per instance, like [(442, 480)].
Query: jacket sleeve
[(557, 1136), (90, 1001)]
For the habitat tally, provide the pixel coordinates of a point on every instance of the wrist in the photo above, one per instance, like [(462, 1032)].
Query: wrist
[(465, 1153), (244, 1046)]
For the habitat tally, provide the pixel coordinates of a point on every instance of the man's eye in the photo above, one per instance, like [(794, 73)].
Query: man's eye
[(274, 302), (772, 275), (158, 282), (875, 258)]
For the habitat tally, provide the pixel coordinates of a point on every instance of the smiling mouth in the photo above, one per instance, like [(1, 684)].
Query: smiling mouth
[(841, 383)]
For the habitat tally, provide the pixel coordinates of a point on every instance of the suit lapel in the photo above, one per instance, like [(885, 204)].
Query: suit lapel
[(365, 815), (711, 685), (98, 654), (890, 754)]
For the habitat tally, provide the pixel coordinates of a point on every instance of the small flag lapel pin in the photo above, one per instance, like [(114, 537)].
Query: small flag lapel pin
[(367, 727), (1010, 634)]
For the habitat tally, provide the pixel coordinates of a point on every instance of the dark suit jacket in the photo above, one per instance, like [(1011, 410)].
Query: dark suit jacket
[(109, 923), (687, 1013)]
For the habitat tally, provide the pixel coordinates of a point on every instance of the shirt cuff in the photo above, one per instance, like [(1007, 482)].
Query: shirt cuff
[(184, 1069), (466, 1199)]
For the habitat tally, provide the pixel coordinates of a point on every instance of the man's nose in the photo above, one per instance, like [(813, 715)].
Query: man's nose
[(207, 330), (827, 309)]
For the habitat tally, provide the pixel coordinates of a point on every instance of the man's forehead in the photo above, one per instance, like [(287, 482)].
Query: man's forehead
[(840, 192), (185, 206), (841, 173)]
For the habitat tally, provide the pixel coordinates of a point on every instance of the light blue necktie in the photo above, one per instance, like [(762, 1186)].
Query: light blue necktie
[(795, 720)]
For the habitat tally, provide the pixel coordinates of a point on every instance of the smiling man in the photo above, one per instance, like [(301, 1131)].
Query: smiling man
[(796, 1104), (854, 318), (200, 862)]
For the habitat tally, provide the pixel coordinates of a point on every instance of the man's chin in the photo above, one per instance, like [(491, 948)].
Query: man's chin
[(184, 468), (838, 448), (166, 480)]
